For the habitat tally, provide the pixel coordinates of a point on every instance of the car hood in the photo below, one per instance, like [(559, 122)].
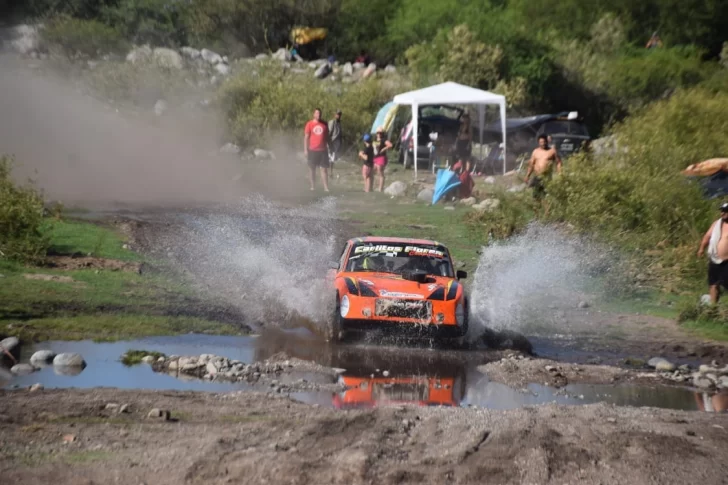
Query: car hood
[(394, 286)]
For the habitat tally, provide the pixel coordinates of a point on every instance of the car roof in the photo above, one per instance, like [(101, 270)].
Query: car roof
[(402, 240)]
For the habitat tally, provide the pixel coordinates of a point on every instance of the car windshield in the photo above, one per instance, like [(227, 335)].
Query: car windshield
[(387, 257)]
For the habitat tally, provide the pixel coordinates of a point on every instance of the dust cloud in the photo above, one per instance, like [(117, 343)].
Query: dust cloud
[(83, 151)]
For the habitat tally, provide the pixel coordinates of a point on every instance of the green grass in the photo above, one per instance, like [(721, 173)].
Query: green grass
[(134, 357), (99, 304), (110, 327), (707, 329), (74, 237)]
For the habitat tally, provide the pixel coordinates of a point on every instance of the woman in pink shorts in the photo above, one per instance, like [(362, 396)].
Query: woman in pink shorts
[(381, 145)]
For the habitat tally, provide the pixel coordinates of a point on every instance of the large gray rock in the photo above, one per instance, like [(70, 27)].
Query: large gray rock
[(702, 382), (487, 205), (140, 54), (191, 53), (470, 201), (282, 54), (168, 58), (369, 71), (261, 57), (42, 357), (347, 69), (425, 195), (210, 56), (323, 71), (22, 369), (517, 188), (358, 66), (396, 189), (25, 39), (69, 360), (390, 69), (222, 69)]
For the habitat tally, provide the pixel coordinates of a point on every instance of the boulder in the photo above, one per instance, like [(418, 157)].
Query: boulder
[(10, 344), (168, 58), (390, 69), (369, 71), (425, 195), (489, 180), (261, 57), (261, 154), (282, 54), (25, 39), (230, 148), (347, 69), (210, 56), (358, 66), (191, 53), (222, 69), (470, 201), (322, 71), (42, 357), (69, 360), (396, 189), (140, 54)]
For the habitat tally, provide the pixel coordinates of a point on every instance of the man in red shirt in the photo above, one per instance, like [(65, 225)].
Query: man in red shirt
[(315, 142)]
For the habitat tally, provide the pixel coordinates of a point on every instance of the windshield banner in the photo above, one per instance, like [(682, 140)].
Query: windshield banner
[(400, 250)]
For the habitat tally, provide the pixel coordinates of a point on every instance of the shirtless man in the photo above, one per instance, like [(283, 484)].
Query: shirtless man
[(718, 263), (541, 163)]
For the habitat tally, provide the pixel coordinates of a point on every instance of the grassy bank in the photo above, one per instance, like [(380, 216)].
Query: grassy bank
[(47, 302)]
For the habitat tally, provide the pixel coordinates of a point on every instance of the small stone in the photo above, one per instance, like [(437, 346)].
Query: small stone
[(42, 357), (550, 368), (160, 107), (489, 180), (9, 344), (161, 359), (385, 373), (148, 359), (36, 387), (159, 414), (661, 364), (449, 208), (112, 406), (211, 368), (702, 383), (22, 369), (470, 201), (611, 420), (705, 369), (124, 408), (230, 148), (69, 438), (583, 304)]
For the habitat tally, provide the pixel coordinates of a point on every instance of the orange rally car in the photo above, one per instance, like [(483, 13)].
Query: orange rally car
[(398, 284), (365, 392)]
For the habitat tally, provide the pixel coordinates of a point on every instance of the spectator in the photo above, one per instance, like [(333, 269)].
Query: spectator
[(465, 189), (463, 143), (316, 134), (335, 137), (363, 58), (654, 41), (367, 156), (381, 146)]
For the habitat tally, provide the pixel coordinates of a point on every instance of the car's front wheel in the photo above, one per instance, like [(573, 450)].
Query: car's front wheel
[(334, 330)]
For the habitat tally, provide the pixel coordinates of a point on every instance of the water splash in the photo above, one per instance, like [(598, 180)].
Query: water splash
[(270, 260), (523, 281)]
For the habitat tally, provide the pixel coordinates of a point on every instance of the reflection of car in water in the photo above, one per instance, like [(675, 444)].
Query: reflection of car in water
[(421, 390), (398, 284)]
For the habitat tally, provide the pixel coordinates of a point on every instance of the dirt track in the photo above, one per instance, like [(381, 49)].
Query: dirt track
[(252, 438)]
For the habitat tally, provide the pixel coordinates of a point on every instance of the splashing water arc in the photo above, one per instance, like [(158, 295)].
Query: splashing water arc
[(516, 280)]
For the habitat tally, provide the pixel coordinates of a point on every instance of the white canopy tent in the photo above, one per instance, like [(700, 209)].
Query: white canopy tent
[(453, 93)]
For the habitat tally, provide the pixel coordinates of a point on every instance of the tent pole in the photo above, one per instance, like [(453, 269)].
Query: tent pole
[(503, 127), (481, 122), (415, 131)]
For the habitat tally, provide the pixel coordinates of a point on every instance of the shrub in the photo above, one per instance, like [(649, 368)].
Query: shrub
[(22, 236), (273, 101), (88, 38)]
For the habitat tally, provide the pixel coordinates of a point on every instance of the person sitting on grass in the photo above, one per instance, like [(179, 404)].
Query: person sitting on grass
[(367, 157)]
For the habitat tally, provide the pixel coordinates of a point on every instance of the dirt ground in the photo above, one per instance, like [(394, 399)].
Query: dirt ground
[(69, 436)]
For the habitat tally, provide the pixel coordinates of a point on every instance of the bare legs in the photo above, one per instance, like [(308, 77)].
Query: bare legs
[(380, 177), (324, 177)]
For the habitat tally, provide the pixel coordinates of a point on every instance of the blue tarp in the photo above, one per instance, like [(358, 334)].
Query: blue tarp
[(446, 180), (381, 117)]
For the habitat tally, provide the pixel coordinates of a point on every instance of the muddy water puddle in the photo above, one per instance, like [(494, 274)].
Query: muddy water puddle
[(374, 375)]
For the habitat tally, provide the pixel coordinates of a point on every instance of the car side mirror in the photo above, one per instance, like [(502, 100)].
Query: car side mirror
[(461, 275), (334, 265)]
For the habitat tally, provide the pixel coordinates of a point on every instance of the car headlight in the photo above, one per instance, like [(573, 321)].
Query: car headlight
[(460, 313), (344, 306)]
